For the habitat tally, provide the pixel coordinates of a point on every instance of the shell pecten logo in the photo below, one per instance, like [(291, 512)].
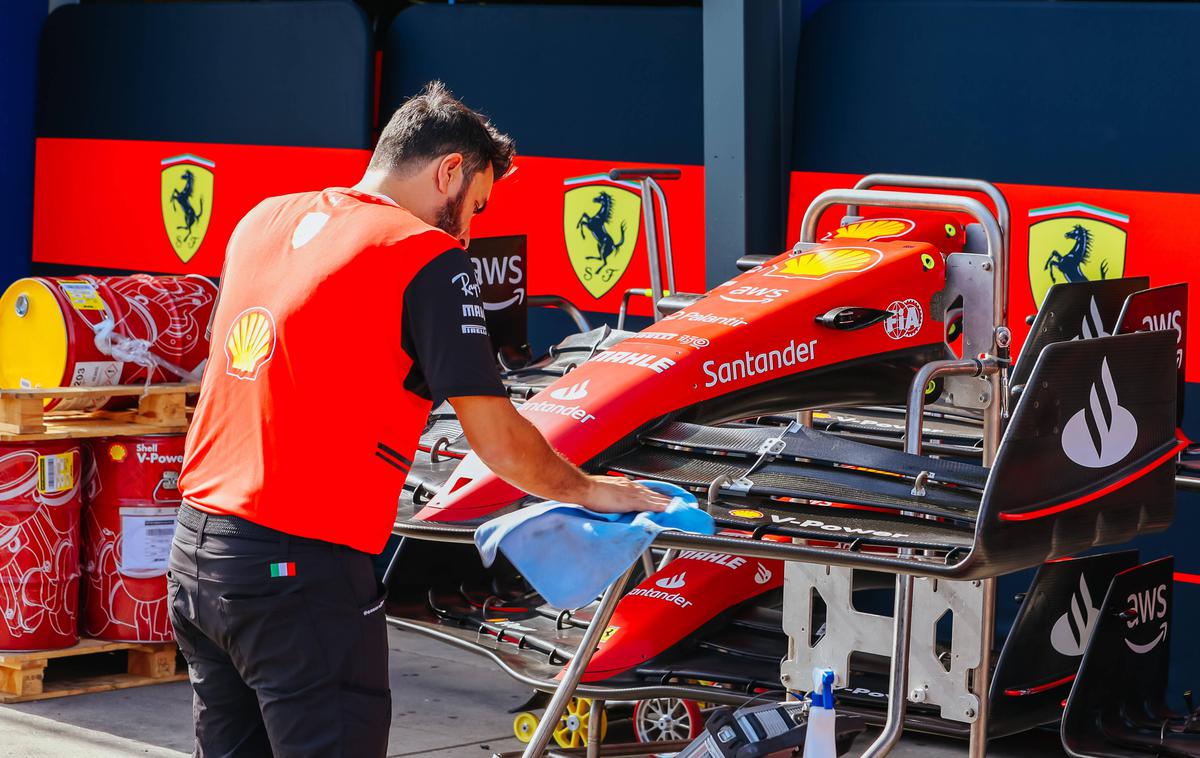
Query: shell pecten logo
[(117, 452), (250, 343), (874, 229), (822, 264)]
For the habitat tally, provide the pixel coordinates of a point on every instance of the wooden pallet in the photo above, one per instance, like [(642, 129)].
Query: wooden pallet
[(80, 669), (162, 409)]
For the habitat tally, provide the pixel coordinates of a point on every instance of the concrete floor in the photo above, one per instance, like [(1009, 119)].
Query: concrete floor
[(447, 703)]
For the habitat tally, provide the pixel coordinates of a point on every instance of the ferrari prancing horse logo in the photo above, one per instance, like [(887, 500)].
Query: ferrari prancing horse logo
[(601, 222), (1075, 242), (187, 202)]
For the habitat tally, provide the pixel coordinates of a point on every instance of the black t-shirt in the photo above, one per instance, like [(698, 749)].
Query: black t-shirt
[(444, 331)]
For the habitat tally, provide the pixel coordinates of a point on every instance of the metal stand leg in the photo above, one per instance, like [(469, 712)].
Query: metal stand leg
[(982, 677), (898, 682), (566, 688), (595, 722)]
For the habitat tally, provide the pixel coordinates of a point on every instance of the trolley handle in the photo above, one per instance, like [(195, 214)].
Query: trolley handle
[(636, 174)]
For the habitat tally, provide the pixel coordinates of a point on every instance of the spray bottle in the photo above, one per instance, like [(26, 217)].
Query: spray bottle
[(821, 739)]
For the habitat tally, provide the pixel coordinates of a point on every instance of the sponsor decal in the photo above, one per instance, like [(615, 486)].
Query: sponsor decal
[(710, 318), (1071, 632), (906, 319), (813, 523), (250, 343), (1102, 433), (672, 582), (1163, 321), (186, 190), (746, 513), (1075, 242), (872, 229), (608, 633), (117, 452), (554, 409), (721, 559), (149, 454), (655, 363), (500, 271), (574, 392), (470, 310), (1092, 325), (861, 691), (1146, 607), (309, 227), (762, 575), (470, 288), (683, 339), (753, 295), (601, 221), (822, 264), (474, 329), (754, 364), (669, 597)]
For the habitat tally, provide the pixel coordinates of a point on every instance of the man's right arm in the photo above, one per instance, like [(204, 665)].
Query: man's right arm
[(517, 452)]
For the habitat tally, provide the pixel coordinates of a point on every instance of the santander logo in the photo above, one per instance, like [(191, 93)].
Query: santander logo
[(1093, 325), (1074, 628), (574, 392), (673, 582), (762, 575), (1103, 433)]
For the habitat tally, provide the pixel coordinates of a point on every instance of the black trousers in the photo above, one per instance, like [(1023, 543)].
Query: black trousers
[(281, 665)]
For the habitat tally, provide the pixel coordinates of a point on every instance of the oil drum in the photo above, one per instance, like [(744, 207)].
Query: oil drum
[(39, 544), (132, 497), (97, 331)]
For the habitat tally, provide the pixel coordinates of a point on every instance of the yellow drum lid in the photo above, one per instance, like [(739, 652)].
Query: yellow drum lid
[(33, 336)]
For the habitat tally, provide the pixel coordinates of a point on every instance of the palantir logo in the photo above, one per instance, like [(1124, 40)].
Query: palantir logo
[(574, 392), (673, 582), (1074, 628), (1102, 433)]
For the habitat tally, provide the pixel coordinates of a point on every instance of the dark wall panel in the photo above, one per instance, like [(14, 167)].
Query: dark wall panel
[(1098, 94), (615, 83), (278, 73), (18, 59)]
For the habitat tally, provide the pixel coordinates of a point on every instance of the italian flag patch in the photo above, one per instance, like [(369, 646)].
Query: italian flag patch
[(283, 569)]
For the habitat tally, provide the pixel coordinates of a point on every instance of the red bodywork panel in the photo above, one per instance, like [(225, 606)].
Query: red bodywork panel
[(755, 328), (689, 592)]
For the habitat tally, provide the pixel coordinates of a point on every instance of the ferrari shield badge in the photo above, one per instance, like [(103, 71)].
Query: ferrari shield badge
[(187, 202), (1075, 242), (601, 221)]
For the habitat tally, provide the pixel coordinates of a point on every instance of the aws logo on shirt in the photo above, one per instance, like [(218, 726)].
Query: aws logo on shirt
[(250, 343)]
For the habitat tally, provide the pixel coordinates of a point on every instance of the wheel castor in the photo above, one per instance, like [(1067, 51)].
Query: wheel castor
[(575, 725), (667, 718), (524, 725)]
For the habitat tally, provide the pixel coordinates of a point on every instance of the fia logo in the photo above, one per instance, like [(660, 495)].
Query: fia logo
[(673, 582), (1071, 632), (1146, 607), (1102, 433), (1093, 325), (762, 575), (574, 392), (906, 319)]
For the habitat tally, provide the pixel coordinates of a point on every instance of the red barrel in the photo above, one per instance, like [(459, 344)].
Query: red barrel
[(39, 544), (132, 498), (96, 331)]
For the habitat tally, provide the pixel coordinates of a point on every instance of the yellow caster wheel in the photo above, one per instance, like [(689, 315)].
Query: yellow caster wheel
[(524, 726), (575, 725)]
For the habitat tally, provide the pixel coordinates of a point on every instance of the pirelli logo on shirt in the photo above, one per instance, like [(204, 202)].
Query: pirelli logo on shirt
[(250, 343)]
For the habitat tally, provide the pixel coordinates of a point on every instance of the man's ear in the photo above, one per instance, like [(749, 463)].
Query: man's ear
[(448, 171)]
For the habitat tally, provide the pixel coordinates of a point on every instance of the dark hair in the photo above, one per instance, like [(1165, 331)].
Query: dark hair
[(435, 123)]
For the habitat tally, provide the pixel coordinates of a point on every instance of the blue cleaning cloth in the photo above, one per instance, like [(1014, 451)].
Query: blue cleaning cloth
[(570, 554)]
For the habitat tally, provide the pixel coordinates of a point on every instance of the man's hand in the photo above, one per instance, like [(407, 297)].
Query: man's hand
[(517, 452), (615, 494)]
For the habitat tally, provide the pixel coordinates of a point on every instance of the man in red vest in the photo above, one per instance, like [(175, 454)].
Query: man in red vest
[(361, 298)]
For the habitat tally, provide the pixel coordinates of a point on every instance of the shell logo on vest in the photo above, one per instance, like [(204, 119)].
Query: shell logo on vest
[(250, 343)]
